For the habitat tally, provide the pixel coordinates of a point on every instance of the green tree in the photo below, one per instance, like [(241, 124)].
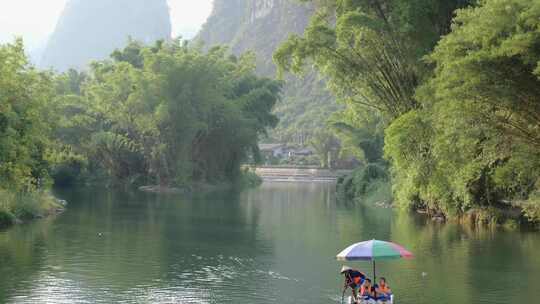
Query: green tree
[(326, 146), (26, 123), (371, 53), (361, 133), (370, 50), (475, 141), (169, 114), (24, 126)]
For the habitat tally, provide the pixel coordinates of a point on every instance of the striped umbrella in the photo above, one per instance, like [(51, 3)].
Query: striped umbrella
[(374, 251)]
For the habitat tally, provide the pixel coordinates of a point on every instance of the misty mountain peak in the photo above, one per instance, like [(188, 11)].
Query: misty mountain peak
[(91, 29)]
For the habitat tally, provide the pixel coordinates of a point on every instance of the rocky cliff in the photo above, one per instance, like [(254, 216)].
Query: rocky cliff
[(261, 26), (258, 25), (92, 29)]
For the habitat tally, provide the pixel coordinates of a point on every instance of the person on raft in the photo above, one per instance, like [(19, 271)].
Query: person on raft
[(353, 279), (383, 290), (367, 290)]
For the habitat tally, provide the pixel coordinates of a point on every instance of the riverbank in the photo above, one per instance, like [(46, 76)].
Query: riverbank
[(19, 208), (247, 179), (506, 216), (373, 185)]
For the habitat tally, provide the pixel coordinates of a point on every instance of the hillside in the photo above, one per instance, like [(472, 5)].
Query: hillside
[(261, 26), (91, 29)]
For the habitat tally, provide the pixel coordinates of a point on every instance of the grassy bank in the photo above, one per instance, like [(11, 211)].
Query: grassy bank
[(504, 214), (372, 185), (20, 207)]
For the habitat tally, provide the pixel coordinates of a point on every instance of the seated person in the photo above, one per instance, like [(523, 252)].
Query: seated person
[(383, 290), (353, 279), (367, 290)]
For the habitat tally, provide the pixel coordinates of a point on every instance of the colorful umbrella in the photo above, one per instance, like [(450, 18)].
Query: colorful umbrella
[(374, 251)]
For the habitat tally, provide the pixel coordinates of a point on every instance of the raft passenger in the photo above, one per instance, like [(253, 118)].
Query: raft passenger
[(353, 279), (384, 292), (367, 290)]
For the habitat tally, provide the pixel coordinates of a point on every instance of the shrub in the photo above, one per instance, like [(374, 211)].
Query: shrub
[(532, 213), (25, 206), (6, 218), (364, 181)]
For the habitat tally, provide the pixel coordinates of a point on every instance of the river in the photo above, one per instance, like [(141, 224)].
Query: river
[(274, 244)]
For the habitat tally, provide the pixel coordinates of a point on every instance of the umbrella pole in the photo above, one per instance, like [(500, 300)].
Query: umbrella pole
[(374, 278)]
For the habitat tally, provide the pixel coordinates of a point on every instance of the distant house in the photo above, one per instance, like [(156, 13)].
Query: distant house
[(273, 150)]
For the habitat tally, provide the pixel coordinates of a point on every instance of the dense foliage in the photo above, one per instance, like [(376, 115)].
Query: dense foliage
[(370, 50), (166, 114), (459, 116), (170, 114), (25, 128), (476, 139)]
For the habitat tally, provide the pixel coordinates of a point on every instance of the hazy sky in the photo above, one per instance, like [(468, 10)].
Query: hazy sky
[(34, 20)]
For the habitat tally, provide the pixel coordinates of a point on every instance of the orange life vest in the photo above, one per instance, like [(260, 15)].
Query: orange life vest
[(384, 288)]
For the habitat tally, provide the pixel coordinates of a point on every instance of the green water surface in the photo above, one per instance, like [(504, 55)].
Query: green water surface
[(275, 244)]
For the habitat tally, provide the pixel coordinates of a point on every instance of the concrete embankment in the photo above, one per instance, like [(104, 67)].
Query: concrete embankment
[(279, 174)]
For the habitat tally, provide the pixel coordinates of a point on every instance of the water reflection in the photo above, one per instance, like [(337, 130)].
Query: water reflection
[(21, 252), (275, 244)]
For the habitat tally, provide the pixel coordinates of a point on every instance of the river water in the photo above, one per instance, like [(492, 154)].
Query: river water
[(275, 244)]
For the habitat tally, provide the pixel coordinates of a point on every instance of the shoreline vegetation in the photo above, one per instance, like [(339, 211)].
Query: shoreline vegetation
[(377, 191), (166, 114), (17, 208), (445, 119), (248, 179)]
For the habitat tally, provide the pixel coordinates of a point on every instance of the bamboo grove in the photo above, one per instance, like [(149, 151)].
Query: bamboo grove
[(442, 97)]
